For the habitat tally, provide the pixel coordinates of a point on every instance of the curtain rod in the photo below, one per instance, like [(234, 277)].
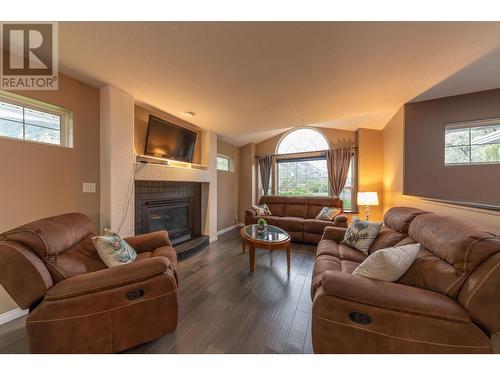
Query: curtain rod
[(305, 152)]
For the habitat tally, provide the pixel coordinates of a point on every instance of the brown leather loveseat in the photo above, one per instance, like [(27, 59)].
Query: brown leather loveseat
[(77, 304), (297, 215), (447, 302)]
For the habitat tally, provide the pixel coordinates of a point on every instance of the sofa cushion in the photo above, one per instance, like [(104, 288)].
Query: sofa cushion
[(78, 259), (387, 237), (296, 207), (292, 224), (451, 249), (316, 226), (399, 218), (336, 257)]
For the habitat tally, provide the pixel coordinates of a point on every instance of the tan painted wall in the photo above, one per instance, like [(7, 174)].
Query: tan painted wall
[(141, 114), (247, 185), (227, 187), (370, 168), (41, 180), (393, 181)]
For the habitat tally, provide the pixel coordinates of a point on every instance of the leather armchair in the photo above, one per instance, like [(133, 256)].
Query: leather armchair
[(96, 309)]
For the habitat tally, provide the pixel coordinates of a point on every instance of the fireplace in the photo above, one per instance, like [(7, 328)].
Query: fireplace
[(171, 206)]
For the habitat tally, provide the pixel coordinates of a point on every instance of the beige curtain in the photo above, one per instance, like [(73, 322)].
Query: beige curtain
[(265, 164), (338, 162)]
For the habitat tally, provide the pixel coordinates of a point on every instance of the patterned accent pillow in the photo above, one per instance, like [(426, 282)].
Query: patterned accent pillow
[(388, 264), (113, 250), (361, 234), (328, 213), (262, 210)]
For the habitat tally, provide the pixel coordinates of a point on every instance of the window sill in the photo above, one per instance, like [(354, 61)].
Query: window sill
[(351, 212)]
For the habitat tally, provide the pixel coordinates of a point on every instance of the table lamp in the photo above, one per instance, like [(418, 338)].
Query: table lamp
[(367, 198)]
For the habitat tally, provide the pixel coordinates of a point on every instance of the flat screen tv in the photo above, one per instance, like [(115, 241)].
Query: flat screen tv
[(170, 141)]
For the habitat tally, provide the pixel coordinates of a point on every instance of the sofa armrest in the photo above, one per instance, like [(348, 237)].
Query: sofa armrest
[(149, 241), (391, 296), (109, 278), (250, 212), (334, 233)]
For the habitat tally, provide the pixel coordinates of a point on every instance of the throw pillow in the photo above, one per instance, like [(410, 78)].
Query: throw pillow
[(361, 234), (388, 264), (328, 213), (113, 250), (262, 210)]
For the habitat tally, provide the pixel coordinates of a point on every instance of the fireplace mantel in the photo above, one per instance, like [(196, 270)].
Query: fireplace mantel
[(158, 172)]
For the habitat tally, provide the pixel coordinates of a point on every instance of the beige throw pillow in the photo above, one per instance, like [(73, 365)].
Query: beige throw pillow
[(328, 213), (262, 210), (388, 264)]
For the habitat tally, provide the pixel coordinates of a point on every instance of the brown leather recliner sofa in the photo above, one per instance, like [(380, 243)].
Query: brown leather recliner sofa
[(447, 302), (297, 216), (77, 304)]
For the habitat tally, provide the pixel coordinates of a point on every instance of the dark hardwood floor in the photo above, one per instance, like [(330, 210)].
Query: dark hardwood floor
[(224, 308)]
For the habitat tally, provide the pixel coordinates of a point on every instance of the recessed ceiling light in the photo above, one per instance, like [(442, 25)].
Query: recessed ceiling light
[(190, 114)]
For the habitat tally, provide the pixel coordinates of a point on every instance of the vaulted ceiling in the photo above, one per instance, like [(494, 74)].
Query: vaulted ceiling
[(249, 80)]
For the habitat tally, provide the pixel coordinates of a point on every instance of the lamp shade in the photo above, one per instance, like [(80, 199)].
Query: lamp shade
[(368, 198)]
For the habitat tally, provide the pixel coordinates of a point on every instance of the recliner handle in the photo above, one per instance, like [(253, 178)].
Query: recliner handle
[(135, 294)]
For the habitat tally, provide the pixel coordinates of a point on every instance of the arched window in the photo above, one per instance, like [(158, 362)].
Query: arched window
[(302, 140), (306, 174)]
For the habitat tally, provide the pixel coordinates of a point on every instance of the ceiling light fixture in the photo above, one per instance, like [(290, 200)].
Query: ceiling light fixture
[(190, 114)]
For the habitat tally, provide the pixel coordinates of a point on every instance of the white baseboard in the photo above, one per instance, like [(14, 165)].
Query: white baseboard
[(11, 315), (228, 229)]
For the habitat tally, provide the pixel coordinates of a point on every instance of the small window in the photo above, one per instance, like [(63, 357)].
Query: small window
[(475, 142), (224, 163), (30, 120)]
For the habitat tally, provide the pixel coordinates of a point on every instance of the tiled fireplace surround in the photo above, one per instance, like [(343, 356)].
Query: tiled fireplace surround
[(119, 168), (165, 191)]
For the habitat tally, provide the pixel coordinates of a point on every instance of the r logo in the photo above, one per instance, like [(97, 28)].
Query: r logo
[(27, 49), (29, 56)]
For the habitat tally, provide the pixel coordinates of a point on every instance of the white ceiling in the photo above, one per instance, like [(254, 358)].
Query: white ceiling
[(248, 81)]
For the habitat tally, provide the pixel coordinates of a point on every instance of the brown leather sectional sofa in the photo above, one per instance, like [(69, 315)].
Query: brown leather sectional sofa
[(77, 304), (296, 215), (447, 302)]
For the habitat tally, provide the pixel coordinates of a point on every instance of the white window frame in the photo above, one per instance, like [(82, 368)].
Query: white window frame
[(65, 115), (230, 164), (318, 154), (464, 126)]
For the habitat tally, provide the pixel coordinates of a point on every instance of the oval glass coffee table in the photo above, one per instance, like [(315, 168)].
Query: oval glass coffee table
[(274, 239)]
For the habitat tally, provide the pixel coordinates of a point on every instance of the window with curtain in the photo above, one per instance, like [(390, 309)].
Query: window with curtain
[(304, 175)]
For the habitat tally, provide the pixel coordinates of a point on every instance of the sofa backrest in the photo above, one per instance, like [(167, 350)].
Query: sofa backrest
[(297, 206), (63, 243), (395, 229), (456, 258)]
